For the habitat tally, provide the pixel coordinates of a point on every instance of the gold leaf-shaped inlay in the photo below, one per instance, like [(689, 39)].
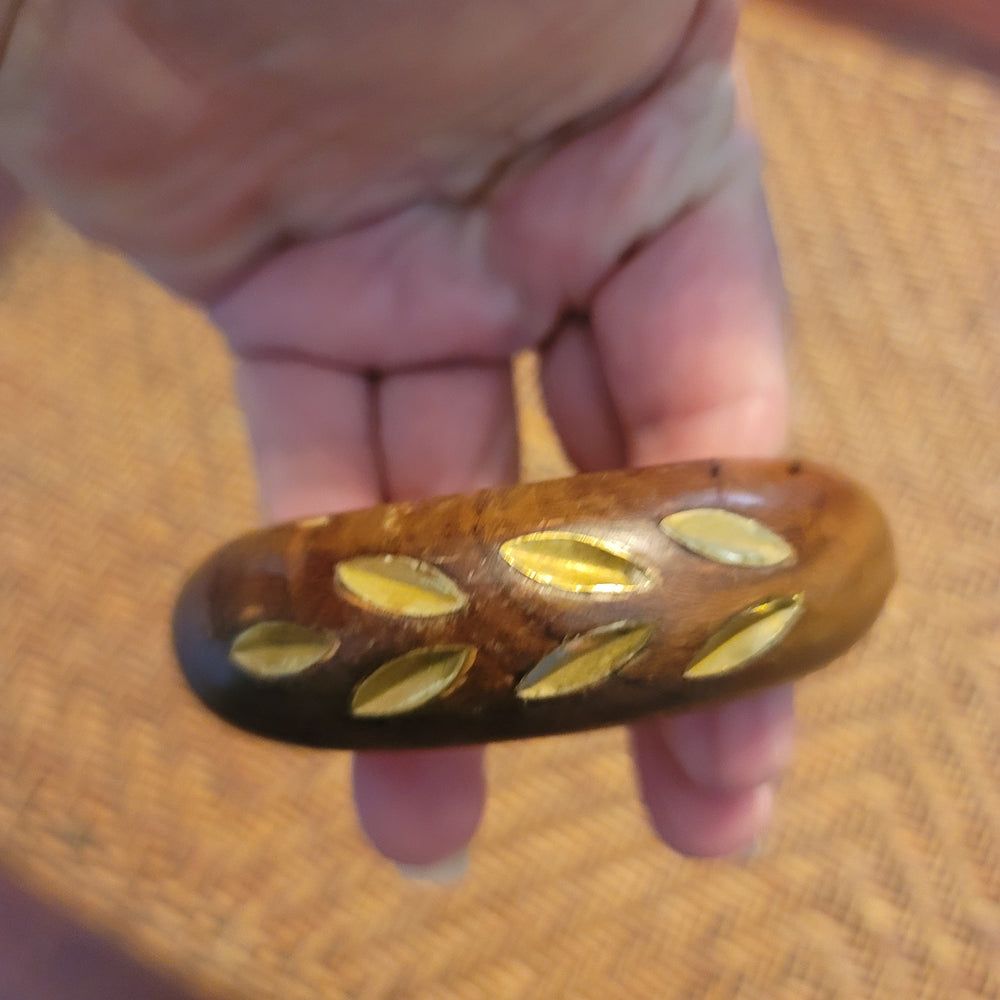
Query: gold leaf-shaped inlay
[(312, 523), (400, 585), (576, 563), (585, 660), (727, 537), (280, 649), (746, 636), (411, 680)]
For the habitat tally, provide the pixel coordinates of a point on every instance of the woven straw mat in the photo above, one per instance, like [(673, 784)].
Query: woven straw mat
[(238, 865)]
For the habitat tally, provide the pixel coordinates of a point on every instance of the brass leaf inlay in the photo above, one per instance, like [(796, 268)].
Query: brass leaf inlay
[(746, 636), (312, 523), (411, 680), (585, 660), (574, 562), (280, 649), (400, 585), (727, 537)]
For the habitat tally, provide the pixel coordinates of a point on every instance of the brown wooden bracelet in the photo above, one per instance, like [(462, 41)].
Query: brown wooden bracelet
[(535, 609)]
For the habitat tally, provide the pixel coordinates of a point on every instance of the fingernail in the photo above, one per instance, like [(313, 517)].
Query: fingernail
[(447, 871), (751, 852)]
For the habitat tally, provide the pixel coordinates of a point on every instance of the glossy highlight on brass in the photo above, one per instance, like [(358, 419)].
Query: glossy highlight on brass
[(727, 537), (411, 680), (280, 649), (585, 660), (535, 609), (575, 563), (746, 636), (400, 585)]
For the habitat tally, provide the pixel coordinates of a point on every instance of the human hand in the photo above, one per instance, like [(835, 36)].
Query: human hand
[(378, 204), (10, 198)]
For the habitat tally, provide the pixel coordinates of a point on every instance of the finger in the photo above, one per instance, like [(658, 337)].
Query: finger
[(690, 338), (312, 437), (326, 441), (737, 746), (420, 806), (440, 432), (579, 402), (447, 431), (690, 333), (692, 819)]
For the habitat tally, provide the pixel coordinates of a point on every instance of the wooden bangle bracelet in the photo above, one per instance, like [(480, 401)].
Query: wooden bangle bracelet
[(536, 609)]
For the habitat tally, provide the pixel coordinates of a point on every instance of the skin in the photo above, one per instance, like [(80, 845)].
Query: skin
[(44, 955), (378, 203)]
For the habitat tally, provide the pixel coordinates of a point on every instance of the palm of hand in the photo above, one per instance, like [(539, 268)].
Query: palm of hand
[(377, 225)]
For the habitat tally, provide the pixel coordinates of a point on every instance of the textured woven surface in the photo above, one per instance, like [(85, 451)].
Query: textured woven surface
[(239, 864)]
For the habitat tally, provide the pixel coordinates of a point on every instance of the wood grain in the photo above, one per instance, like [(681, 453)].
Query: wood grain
[(513, 619)]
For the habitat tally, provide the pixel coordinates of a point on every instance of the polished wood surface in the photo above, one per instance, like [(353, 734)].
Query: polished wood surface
[(508, 618)]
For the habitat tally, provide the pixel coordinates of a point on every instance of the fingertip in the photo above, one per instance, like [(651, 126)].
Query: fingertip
[(693, 820), (420, 807), (737, 745)]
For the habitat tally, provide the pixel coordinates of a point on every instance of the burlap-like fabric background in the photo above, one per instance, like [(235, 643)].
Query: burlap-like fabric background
[(238, 865)]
